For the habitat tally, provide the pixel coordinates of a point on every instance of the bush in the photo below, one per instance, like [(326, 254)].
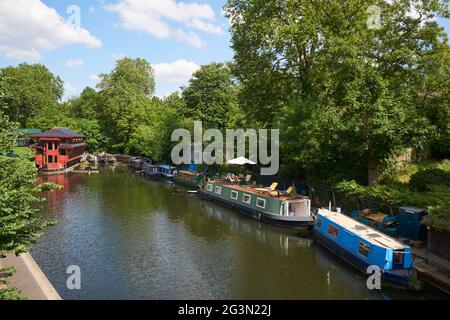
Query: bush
[(441, 148), (421, 181)]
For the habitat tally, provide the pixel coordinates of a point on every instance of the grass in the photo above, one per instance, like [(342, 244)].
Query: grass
[(403, 174), (24, 152)]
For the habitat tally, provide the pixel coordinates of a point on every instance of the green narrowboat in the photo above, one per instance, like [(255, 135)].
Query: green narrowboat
[(285, 210), (188, 178)]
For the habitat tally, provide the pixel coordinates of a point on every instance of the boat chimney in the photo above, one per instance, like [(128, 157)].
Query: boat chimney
[(329, 206)]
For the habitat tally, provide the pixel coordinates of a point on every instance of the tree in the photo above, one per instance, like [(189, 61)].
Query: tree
[(51, 116), (211, 96), (344, 93), (86, 105), (124, 100), (91, 129), (20, 222), (32, 88), (153, 138)]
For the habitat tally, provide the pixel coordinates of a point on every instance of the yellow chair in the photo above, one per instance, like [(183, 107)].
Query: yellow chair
[(289, 190), (282, 193), (273, 186)]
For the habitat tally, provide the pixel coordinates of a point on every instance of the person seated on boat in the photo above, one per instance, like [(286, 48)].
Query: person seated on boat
[(234, 179), (278, 193)]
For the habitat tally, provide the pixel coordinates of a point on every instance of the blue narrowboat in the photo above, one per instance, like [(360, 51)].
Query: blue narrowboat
[(152, 171), (167, 171), (363, 246)]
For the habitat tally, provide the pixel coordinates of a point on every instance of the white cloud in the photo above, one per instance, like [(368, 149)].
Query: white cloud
[(118, 55), (176, 72), (74, 63), (69, 90), (94, 78), (152, 17), (205, 26), (29, 27)]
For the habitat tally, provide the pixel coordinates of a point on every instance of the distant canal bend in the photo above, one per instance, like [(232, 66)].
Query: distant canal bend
[(137, 239)]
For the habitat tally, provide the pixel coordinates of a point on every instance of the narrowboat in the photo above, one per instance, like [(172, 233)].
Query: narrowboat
[(167, 171), (188, 178), (152, 171), (363, 246), (277, 208), (135, 163)]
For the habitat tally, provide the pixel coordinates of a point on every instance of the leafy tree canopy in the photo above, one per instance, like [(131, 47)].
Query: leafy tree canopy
[(31, 87), (211, 96), (341, 91)]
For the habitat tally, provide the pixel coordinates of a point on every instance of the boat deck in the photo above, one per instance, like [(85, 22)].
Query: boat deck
[(189, 173), (258, 191), (361, 230)]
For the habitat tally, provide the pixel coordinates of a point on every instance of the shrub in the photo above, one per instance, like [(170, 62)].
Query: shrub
[(421, 181), (441, 148)]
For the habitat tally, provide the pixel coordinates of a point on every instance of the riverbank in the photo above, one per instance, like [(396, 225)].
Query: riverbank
[(29, 278)]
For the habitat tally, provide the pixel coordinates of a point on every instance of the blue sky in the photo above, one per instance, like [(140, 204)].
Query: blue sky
[(175, 36)]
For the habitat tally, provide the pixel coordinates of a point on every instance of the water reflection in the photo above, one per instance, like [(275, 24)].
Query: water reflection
[(138, 239)]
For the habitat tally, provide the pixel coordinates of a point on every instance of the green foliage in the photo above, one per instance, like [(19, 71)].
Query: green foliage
[(31, 88), (91, 129), (441, 146), (211, 96), (153, 138), (24, 152), (20, 222), (51, 116), (86, 105), (423, 180), (436, 199), (8, 293), (124, 100), (345, 94)]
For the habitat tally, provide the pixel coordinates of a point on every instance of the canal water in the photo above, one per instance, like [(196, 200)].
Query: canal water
[(138, 239)]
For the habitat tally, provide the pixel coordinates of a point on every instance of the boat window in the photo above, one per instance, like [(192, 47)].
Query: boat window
[(218, 190), (246, 198), (260, 203), (363, 249), (62, 152), (332, 230), (209, 187), (398, 257), (50, 159), (234, 195), (56, 159)]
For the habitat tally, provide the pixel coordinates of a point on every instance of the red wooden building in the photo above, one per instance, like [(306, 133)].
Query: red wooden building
[(57, 149)]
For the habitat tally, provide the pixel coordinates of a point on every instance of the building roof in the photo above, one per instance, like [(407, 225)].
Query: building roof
[(57, 133), (71, 146), (367, 233), (27, 131)]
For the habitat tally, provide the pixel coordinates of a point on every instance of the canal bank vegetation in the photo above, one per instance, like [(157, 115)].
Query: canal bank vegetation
[(20, 221), (350, 100)]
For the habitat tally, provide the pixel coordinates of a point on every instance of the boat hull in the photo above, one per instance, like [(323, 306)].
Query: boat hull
[(298, 223), (155, 177), (186, 183), (390, 278)]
